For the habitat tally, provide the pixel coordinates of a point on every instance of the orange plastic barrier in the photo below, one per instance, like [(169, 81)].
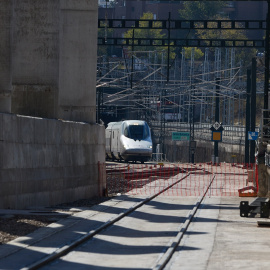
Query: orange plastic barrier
[(230, 179)]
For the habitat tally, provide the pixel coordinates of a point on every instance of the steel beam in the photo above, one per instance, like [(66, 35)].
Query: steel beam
[(182, 42), (183, 24)]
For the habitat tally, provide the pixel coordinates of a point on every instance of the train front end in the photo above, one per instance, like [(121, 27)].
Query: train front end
[(136, 141)]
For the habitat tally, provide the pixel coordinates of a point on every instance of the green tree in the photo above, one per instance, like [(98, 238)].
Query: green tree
[(212, 10), (149, 34), (242, 54), (201, 10), (104, 33), (198, 54)]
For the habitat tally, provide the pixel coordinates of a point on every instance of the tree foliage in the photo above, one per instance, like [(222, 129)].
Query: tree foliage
[(198, 54), (104, 32), (145, 33), (148, 34), (201, 10), (228, 34), (212, 10), (242, 54)]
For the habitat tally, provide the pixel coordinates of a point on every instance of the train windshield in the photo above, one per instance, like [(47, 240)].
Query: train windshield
[(137, 132)]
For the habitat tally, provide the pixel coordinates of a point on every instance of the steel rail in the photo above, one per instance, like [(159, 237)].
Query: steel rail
[(175, 243), (67, 248)]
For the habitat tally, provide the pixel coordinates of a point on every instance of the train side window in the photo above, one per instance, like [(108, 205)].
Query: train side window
[(146, 132), (126, 132)]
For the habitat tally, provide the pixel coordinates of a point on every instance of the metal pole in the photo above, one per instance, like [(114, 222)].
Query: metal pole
[(132, 70), (169, 41), (253, 109), (191, 127), (163, 90), (217, 116), (132, 60), (267, 51), (247, 116)]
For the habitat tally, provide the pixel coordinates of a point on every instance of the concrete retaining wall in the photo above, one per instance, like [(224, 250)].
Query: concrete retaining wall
[(45, 162)]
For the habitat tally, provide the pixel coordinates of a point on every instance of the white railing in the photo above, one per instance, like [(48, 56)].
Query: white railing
[(158, 157)]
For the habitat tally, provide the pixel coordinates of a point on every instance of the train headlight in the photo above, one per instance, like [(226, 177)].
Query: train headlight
[(150, 146)]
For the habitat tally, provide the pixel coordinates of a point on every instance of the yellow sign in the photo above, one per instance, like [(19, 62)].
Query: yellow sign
[(217, 136)]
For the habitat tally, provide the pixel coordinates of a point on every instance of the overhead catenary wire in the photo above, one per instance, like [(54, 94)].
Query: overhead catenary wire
[(150, 81)]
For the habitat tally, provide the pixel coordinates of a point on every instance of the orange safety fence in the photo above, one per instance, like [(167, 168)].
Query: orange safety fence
[(184, 179)]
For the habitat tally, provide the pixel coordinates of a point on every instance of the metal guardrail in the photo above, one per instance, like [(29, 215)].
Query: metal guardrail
[(230, 134), (158, 157)]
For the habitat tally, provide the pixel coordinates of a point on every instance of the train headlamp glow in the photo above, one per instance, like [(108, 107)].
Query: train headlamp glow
[(150, 146)]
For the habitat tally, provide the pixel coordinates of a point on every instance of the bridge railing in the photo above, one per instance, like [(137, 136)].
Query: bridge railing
[(230, 134)]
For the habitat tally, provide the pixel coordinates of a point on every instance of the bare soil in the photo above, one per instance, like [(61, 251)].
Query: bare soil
[(14, 226)]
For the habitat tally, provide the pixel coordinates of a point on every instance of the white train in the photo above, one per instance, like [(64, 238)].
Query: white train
[(128, 140)]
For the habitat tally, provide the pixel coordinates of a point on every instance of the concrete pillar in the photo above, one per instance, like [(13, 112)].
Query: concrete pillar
[(6, 7), (263, 174), (5, 103), (77, 60)]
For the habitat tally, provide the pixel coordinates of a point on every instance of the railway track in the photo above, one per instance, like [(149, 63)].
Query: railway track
[(121, 234)]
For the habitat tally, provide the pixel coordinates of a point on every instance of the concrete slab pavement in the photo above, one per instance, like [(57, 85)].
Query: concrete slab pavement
[(219, 238)]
